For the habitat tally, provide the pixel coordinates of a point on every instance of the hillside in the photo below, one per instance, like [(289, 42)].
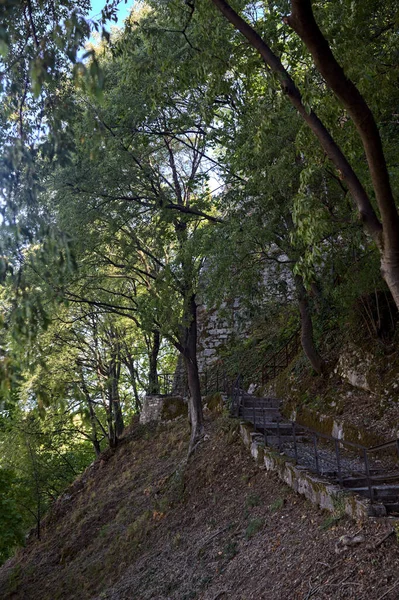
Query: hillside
[(135, 526)]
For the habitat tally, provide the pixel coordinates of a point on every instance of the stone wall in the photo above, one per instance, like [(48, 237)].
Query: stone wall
[(215, 329), (162, 408)]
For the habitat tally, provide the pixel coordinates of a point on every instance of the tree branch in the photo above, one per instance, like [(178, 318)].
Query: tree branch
[(303, 22), (329, 145)]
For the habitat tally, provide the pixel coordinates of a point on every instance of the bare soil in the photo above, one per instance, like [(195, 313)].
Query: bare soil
[(141, 524)]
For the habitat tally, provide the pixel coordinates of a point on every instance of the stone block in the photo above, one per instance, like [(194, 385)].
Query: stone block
[(209, 352), (162, 408)]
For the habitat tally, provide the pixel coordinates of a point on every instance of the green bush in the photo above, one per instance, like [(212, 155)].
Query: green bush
[(11, 522)]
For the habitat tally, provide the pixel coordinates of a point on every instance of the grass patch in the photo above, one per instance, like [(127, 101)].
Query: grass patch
[(138, 530), (337, 515), (330, 521), (252, 500), (277, 505), (230, 550), (253, 527)]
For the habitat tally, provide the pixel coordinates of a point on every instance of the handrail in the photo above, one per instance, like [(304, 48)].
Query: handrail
[(393, 442)]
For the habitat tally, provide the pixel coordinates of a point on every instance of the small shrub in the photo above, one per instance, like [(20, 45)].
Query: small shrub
[(253, 527), (330, 521), (14, 579), (138, 530), (277, 505), (176, 488), (103, 531), (252, 500), (176, 540), (230, 550), (230, 428), (162, 504)]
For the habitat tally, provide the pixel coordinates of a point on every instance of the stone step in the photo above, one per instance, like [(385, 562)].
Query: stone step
[(392, 508), (276, 440), (250, 401), (268, 414), (361, 480), (271, 425), (389, 493), (283, 427), (259, 410)]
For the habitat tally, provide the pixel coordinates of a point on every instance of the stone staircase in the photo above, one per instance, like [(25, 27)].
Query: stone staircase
[(369, 472)]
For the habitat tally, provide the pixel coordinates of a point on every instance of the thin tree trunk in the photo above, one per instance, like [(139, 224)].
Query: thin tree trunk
[(307, 337), (93, 418), (390, 271), (137, 401), (153, 383), (128, 361), (38, 514), (190, 359), (115, 403), (97, 447), (112, 438)]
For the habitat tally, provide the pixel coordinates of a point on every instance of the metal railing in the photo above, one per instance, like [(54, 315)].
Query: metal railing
[(319, 452), (211, 380), (276, 362), (236, 396), (216, 379)]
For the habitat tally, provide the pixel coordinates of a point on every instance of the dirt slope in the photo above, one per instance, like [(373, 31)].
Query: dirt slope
[(136, 527)]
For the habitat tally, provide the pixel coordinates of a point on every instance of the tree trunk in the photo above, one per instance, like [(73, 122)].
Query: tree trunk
[(115, 404), (189, 351), (390, 272), (307, 338), (94, 439), (97, 447), (38, 513), (137, 401), (128, 361), (153, 383), (112, 438), (93, 418)]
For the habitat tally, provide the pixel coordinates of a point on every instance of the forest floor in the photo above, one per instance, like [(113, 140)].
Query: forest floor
[(138, 525)]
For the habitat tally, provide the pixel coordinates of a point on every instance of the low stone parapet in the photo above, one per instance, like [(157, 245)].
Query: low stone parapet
[(162, 408)]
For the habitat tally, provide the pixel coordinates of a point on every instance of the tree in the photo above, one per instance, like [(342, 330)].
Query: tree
[(11, 530), (82, 371), (146, 198), (40, 457), (385, 233)]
